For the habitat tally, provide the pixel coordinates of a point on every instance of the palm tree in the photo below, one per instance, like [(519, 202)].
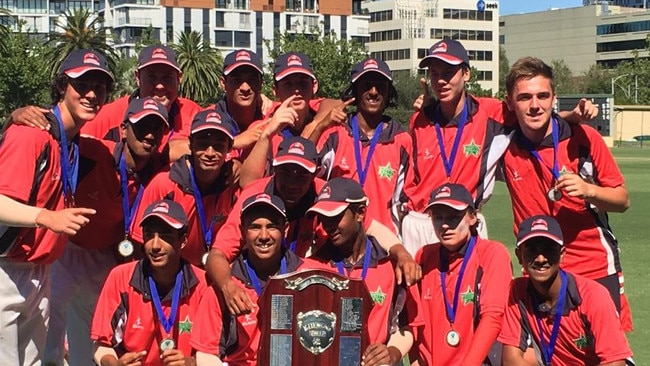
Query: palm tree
[(79, 32), (4, 30), (201, 65)]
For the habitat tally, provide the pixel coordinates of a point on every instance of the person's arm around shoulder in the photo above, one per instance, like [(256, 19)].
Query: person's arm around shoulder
[(218, 269), (31, 115), (331, 113), (584, 111), (405, 267)]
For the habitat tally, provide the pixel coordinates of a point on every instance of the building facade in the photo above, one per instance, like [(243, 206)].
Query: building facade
[(401, 32)]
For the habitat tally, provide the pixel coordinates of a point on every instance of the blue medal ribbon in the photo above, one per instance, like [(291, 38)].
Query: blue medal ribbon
[(547, 350), (206, 227), (294, 237), (286, 133), (69, 161), (555, 169), (256, 281), (167, 323), (173, 111), (128, 209), (450, 309), (366, 263), (449, 163), (363, 169)]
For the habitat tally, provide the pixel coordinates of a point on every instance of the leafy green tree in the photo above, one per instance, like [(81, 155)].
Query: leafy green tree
[(201, 65), (124, 73), (474, 87), (332, 58), (596, 80), (563, 76), (4, 29), (504, 67), (408, 89), (79, 32)]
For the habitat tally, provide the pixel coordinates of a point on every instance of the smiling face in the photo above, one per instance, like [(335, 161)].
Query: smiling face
[(263, 230), (540, 257), (84, 95), (447, 81), (372, 93), (209, 149), (162, 243), (143, 137), (532, 100), (344, 228), (242, 86), (453, 227), (160, 82)]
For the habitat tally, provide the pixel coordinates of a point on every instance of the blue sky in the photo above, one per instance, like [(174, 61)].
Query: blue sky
[(507, 7)]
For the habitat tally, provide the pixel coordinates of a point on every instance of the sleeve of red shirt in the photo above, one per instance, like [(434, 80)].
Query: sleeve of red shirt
[(512, 329), (327, 152), (109, 116), (609, 175), (154, 191), (108, 304), (497, 274), (207, 334), (228, 238), (20, 148)]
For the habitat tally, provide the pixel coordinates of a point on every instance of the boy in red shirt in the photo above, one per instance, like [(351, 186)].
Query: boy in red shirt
[(464, 285), (555, 317), (147, 309)]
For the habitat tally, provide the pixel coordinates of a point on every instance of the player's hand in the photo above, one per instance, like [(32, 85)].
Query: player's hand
[(132, 358), (265, 104), (32, 116), (405, 267), (67, 221), (424, 99), (586, 110), (283, 116), (379, 354), (248, 137), (173, 357), (338, 115), (236, 299), (575, 186)]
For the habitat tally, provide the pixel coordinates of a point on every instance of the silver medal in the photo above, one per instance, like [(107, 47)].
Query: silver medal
[(204, 259), (125, 248), (554, 194), (453, 338), (166, 344)]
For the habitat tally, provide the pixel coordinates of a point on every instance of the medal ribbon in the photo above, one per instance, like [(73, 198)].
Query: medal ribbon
[(173, 111), (366, 263), (449, 163), (256, 281), (555, 169), (167, 323), (206, 227), (127, 209), (449, 308), (294, 237), (69, 160), (363, 169), (547, 350), (286, 133)]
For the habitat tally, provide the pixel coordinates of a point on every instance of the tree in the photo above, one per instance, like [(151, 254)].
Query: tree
[(124, 73), (596, 80), (504, 68), (201, 65), (79, 32), (332, 58), (473, 86), (4, 29), (563, 76)]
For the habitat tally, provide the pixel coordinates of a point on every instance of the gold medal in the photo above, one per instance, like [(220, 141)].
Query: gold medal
[(166, 344), (453, 338), (554, 194), (125, 248)]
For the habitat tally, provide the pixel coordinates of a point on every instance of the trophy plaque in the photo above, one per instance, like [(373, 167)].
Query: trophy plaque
[(313, 317)]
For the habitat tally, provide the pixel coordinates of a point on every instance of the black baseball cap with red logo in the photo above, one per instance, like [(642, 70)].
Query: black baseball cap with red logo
[(79, 62), (242, 57), (263, 199), (292, 63), (452, 195), (297, 150), (139, 108), (337, 195), (370, 65), (211, 119), (158, 55), (540, 226), (168, 211), (447, 50)]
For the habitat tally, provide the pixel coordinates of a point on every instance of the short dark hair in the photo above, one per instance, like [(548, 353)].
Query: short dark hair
[(528, 68)]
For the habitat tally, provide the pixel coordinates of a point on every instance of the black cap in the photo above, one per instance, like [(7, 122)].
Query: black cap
[(239, 58), (337, 195), (453, 195), (292, 63), (297, 150), (272, 201), (158, 54), (447, 50), (540, 226), (79, 62), (370, 65), (140, 108), (167, 210), (211, 119)]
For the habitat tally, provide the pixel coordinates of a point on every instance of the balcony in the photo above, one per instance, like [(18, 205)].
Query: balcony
[(144, 22)]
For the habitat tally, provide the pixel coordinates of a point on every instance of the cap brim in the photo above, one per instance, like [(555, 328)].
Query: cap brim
[(79, 71), (456, 205), (328, 208), (265, 203), (293, 70), (309, 165), (212, 127), (145, 113), (166, 218), (160, 62), (442, 57), (389, 77), (232, 67), (540, 234)]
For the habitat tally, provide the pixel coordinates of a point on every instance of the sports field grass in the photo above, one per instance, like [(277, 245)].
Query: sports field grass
[(632, 229)]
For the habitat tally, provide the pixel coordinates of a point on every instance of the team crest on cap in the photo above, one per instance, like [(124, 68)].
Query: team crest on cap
[(243, 56), (263, 197), (442, 47), (370, 64), (294, 60), (159, 53), (91, 58), (161, 207), (213, 117), (150, 104), (326, 193), (296, 148), (539, 224), (443, 192)]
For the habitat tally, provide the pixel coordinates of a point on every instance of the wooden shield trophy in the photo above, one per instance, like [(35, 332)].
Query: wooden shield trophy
[(313, 317)]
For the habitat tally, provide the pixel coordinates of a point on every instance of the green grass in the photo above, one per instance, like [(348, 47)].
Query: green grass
[(632, 229)]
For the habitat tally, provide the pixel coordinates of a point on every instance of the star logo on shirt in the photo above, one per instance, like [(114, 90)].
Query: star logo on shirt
[(386, 171), (582, 342), (564, 170), (467, 296), (185, 326), (378, 296), (218, 218), (471, 149)]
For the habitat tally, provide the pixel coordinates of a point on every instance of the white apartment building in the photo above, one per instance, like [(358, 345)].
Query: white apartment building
[(401, 32), (226, 24)]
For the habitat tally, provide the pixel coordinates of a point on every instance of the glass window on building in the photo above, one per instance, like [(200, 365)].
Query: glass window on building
[(31, 6), (221, 4), (223, 38), (240, 4), (79, 4), (245, 20), (220, 19), (242, 39)]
